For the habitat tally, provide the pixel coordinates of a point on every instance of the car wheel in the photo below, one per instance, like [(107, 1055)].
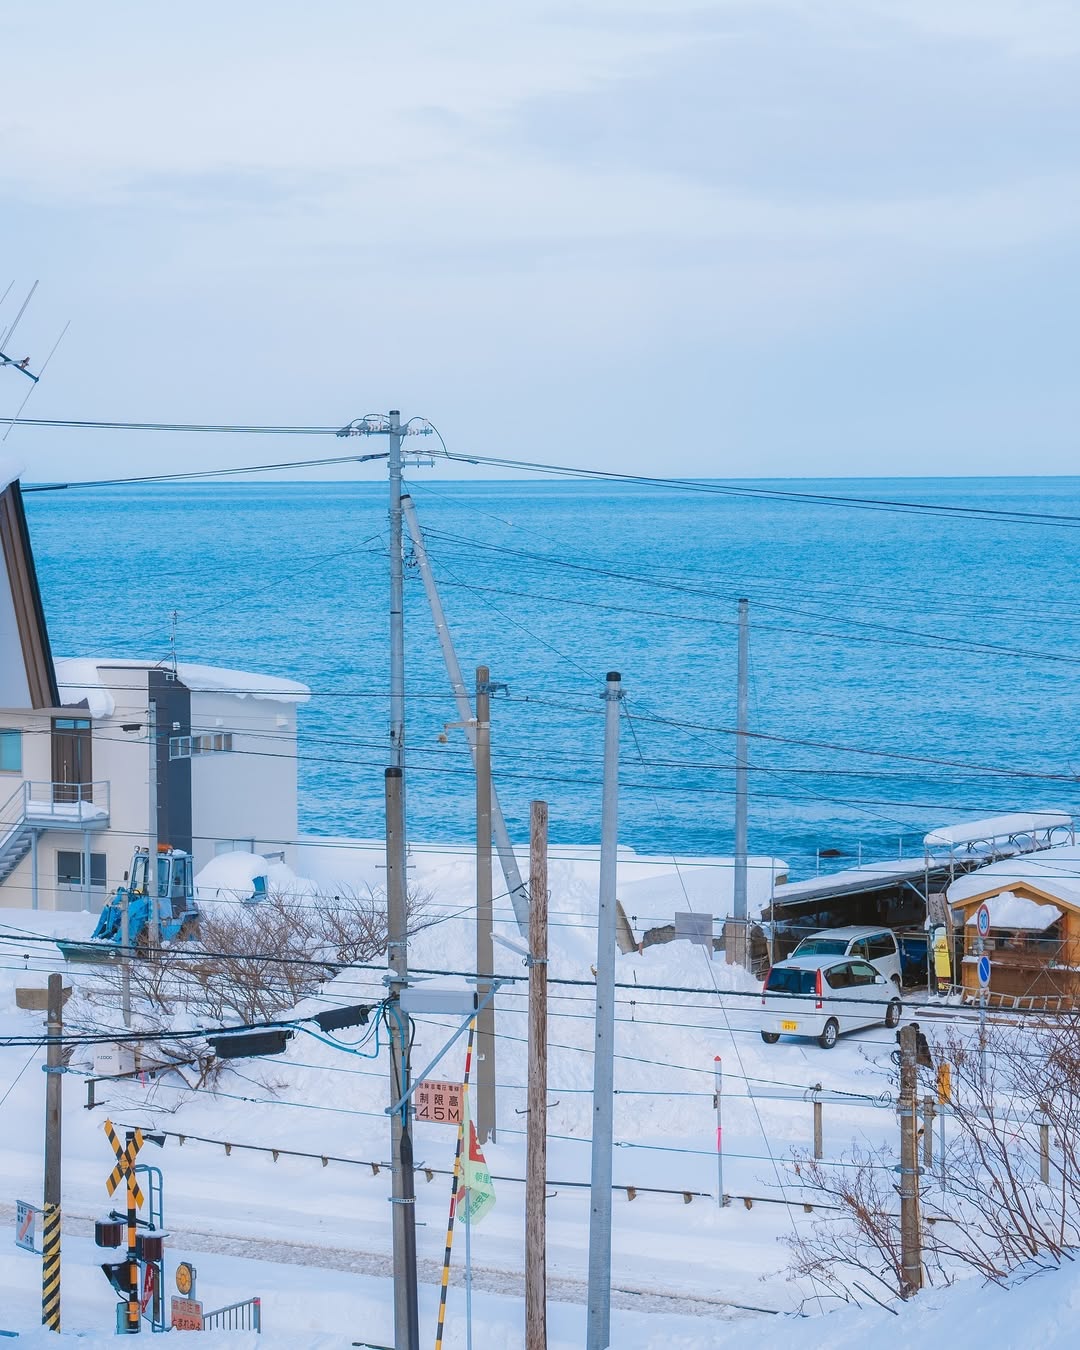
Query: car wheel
[(892, 1012), (829, 1033), (770, 1037)]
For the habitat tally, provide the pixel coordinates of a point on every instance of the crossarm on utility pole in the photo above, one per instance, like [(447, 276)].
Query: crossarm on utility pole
[(419, 1078)]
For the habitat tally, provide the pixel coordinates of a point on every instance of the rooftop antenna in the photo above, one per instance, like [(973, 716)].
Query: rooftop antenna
[(174, 620), (9, 331), (22, 365)]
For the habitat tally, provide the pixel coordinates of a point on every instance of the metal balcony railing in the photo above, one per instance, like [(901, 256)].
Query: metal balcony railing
[(69, 806)]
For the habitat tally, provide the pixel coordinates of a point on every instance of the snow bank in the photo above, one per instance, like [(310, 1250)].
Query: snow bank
[(231, 876), (81, 678)]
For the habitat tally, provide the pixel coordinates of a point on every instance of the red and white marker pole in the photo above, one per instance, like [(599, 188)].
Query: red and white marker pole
[(718, 1097)]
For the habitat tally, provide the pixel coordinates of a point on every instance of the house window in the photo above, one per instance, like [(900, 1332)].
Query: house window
[(210, 742), (10, 751), (69, 868)]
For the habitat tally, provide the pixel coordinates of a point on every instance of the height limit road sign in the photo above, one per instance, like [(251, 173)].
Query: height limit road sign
[(437, 1102)]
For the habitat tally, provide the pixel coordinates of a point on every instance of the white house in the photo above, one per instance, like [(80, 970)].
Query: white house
[(90, 748)]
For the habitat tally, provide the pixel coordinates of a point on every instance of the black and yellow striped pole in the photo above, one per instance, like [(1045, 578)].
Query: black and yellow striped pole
[(133, 1324), (54, 1068), (50, 1269), (455, 1195)]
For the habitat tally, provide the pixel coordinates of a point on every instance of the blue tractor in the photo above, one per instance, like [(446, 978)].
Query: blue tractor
[(177, 912)]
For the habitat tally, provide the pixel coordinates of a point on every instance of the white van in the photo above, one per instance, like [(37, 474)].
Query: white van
[(877, 946), (822, 996)]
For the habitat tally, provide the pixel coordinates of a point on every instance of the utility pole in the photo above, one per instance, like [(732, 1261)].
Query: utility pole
[(403, 1198), (519, 896), (54, 1068), (397, 609), (153, 889), (536, 1130), (910, 1235), (742, 764), (125, 959), (599, 1295), (485, 957)]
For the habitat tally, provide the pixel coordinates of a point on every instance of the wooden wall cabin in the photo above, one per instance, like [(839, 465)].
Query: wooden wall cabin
[(1033, 944)]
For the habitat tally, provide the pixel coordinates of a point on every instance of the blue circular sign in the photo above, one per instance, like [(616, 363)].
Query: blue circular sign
[(984, 972)]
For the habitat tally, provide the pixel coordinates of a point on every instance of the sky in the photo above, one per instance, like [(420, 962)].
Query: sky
[(729, 239)]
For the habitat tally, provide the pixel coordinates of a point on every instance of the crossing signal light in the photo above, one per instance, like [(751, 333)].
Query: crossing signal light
[(117, 1275), (250, 1044), (336, 1019)]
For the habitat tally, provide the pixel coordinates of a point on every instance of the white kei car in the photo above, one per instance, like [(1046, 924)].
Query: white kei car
[(878, 946), (822, 996)]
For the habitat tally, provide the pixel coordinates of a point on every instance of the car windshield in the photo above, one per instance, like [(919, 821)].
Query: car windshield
[(815, 946), (791, 980)]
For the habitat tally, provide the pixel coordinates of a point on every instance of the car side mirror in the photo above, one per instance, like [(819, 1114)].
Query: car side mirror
[(879, 979)]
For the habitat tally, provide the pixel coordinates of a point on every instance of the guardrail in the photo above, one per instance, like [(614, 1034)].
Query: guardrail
[(244, 1316)]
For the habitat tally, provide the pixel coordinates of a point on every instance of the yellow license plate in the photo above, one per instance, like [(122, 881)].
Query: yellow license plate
[(789, 1026)]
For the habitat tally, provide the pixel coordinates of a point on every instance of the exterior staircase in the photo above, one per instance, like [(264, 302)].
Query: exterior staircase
[(35, 807)]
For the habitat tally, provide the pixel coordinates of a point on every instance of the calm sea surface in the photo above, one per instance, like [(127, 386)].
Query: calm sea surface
[(895, 655)]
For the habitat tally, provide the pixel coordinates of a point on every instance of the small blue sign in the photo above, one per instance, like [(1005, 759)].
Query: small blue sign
[(984, 972)]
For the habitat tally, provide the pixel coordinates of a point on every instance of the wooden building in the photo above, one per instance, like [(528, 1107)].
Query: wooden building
[(1034, 938)]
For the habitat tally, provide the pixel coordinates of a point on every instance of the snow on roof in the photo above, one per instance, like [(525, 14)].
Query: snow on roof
[(10, 469), (80, 678), (1055, 871), (996, 827), (869, 877), (1008, 910)]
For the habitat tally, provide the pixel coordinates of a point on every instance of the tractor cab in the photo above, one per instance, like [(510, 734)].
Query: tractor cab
[(177, 911)]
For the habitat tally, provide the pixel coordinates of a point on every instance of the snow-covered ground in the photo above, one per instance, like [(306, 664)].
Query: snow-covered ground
[(313, 1239)]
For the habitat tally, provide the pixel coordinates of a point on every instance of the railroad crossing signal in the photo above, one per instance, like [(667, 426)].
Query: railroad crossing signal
[(125, 1162)]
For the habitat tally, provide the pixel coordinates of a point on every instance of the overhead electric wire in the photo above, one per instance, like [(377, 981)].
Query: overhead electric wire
[(708, 486)]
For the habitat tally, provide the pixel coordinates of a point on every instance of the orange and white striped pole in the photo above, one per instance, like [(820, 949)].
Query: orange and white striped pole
[(455, 1191)]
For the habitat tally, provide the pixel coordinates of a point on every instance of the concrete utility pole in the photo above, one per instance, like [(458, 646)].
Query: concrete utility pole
[(910, 1235), (485, 957), (54, 1100), (403, 1198), (153, 889), (519, 896), (742, 764), (536, 1131), (599, 1295)]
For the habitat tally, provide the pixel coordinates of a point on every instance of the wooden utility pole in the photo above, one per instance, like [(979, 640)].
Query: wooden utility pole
[(485, 956), (910, 1234), (54, 1100), (536, 1133)]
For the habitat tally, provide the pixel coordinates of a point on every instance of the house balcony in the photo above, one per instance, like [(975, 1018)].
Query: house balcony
[(35, 806)]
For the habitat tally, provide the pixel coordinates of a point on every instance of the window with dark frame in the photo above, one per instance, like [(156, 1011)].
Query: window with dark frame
[(69, 869)]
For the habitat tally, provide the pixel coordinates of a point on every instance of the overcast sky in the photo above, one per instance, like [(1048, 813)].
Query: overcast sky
[(781, 237)]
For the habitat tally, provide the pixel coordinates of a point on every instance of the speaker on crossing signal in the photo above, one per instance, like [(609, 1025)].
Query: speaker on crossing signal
[(117, 1275)]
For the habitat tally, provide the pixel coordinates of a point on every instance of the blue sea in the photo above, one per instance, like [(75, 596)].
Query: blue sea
[(908, 669)]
